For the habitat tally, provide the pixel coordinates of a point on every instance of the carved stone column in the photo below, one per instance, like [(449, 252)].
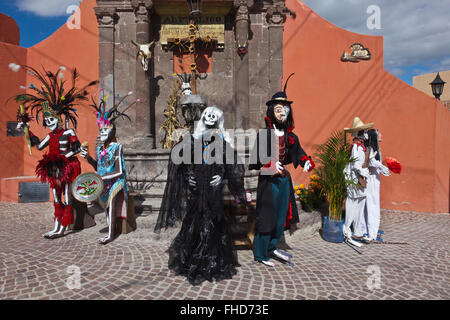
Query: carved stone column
[(107, 18), (241, 81), (145, 122), (276, 16)]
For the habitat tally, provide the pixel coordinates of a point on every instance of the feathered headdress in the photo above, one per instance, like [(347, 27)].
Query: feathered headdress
[(51, 99), (106, 118)]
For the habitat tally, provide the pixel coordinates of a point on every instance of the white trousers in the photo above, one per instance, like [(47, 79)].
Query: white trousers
[(354, 213), (371, 222)]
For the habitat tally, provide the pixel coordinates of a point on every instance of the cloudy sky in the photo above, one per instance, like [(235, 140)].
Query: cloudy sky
[(37, 19), (416, 32)]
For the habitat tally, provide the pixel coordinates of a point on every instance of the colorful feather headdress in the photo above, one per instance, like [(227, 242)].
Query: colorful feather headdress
[(51, 99), (106, 118)]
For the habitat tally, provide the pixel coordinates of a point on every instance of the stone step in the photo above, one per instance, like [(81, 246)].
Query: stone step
[(310, 223)]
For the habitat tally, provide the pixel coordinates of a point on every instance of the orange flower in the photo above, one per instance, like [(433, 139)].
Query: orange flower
[(302, 186), (298, 192), (295, 187)]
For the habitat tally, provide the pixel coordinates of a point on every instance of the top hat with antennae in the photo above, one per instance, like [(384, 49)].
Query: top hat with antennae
[(281, 96)]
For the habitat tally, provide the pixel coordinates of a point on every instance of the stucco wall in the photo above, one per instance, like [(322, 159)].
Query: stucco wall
[(11, 162), (66, 47), (9, 30), (329, 93)]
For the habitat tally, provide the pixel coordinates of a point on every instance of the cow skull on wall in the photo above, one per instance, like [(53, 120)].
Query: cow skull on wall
[(144, 53)]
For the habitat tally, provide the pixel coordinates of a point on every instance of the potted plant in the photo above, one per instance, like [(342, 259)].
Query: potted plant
[(332, 158), (311, 197)]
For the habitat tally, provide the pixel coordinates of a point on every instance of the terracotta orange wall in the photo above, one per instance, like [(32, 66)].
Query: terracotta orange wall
[(11, 159), (9, 30), (70, 48), (329, 93), (66, 47)]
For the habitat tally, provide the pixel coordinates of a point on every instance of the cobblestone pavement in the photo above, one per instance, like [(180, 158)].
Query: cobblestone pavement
[(135, 265)]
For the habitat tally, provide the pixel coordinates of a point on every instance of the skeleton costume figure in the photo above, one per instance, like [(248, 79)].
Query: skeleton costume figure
[(203, 248), (110, 165), (370, 223), (276, 209), (186, 89), (356, 193), (59, 166)]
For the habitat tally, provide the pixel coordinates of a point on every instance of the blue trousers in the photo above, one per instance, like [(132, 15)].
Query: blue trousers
[(265, 244)]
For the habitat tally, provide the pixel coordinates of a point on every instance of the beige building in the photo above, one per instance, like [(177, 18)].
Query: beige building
[(422, 83)]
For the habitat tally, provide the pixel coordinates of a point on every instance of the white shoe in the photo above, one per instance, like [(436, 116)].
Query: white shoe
[(268, 263), (354, 243), (280, 255)]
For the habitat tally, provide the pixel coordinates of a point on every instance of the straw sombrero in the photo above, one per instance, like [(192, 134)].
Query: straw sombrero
[(358, 125)]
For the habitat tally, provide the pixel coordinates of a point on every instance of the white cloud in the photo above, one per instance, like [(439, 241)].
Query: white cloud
[(397, 72), (415, 31), (46, 8)]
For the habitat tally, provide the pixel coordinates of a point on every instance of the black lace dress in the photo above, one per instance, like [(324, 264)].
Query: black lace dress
[(203, 248)]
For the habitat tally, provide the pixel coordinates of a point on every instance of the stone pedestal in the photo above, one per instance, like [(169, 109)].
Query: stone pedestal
[(144, 134), (275, 18), (241, 81), (107, 18)]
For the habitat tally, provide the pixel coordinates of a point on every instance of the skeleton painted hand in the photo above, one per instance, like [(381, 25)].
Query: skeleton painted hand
[(84, 152), (280, 167), (364, 172), (385, 171), (307, 166), (21, 125), (215, 181), (192, 182)]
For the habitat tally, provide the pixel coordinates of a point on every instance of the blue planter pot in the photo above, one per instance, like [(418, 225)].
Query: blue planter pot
[(332, 230)]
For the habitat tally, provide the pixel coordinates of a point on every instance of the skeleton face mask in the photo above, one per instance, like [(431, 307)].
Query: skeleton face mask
[(281, 112), (362, 134), (105, 133), (210, 118), (51, 123), (186, 89)]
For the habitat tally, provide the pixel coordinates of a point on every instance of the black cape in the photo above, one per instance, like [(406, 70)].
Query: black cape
[(266, 220), (203, 248)]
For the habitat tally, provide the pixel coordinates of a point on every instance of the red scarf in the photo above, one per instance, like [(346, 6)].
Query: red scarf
[(359, 143)]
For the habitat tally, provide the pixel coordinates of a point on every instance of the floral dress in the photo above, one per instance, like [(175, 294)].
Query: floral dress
[(107, 163)]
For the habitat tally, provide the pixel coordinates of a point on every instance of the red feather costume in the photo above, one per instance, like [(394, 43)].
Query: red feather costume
[(55, 168), (53, 101)]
